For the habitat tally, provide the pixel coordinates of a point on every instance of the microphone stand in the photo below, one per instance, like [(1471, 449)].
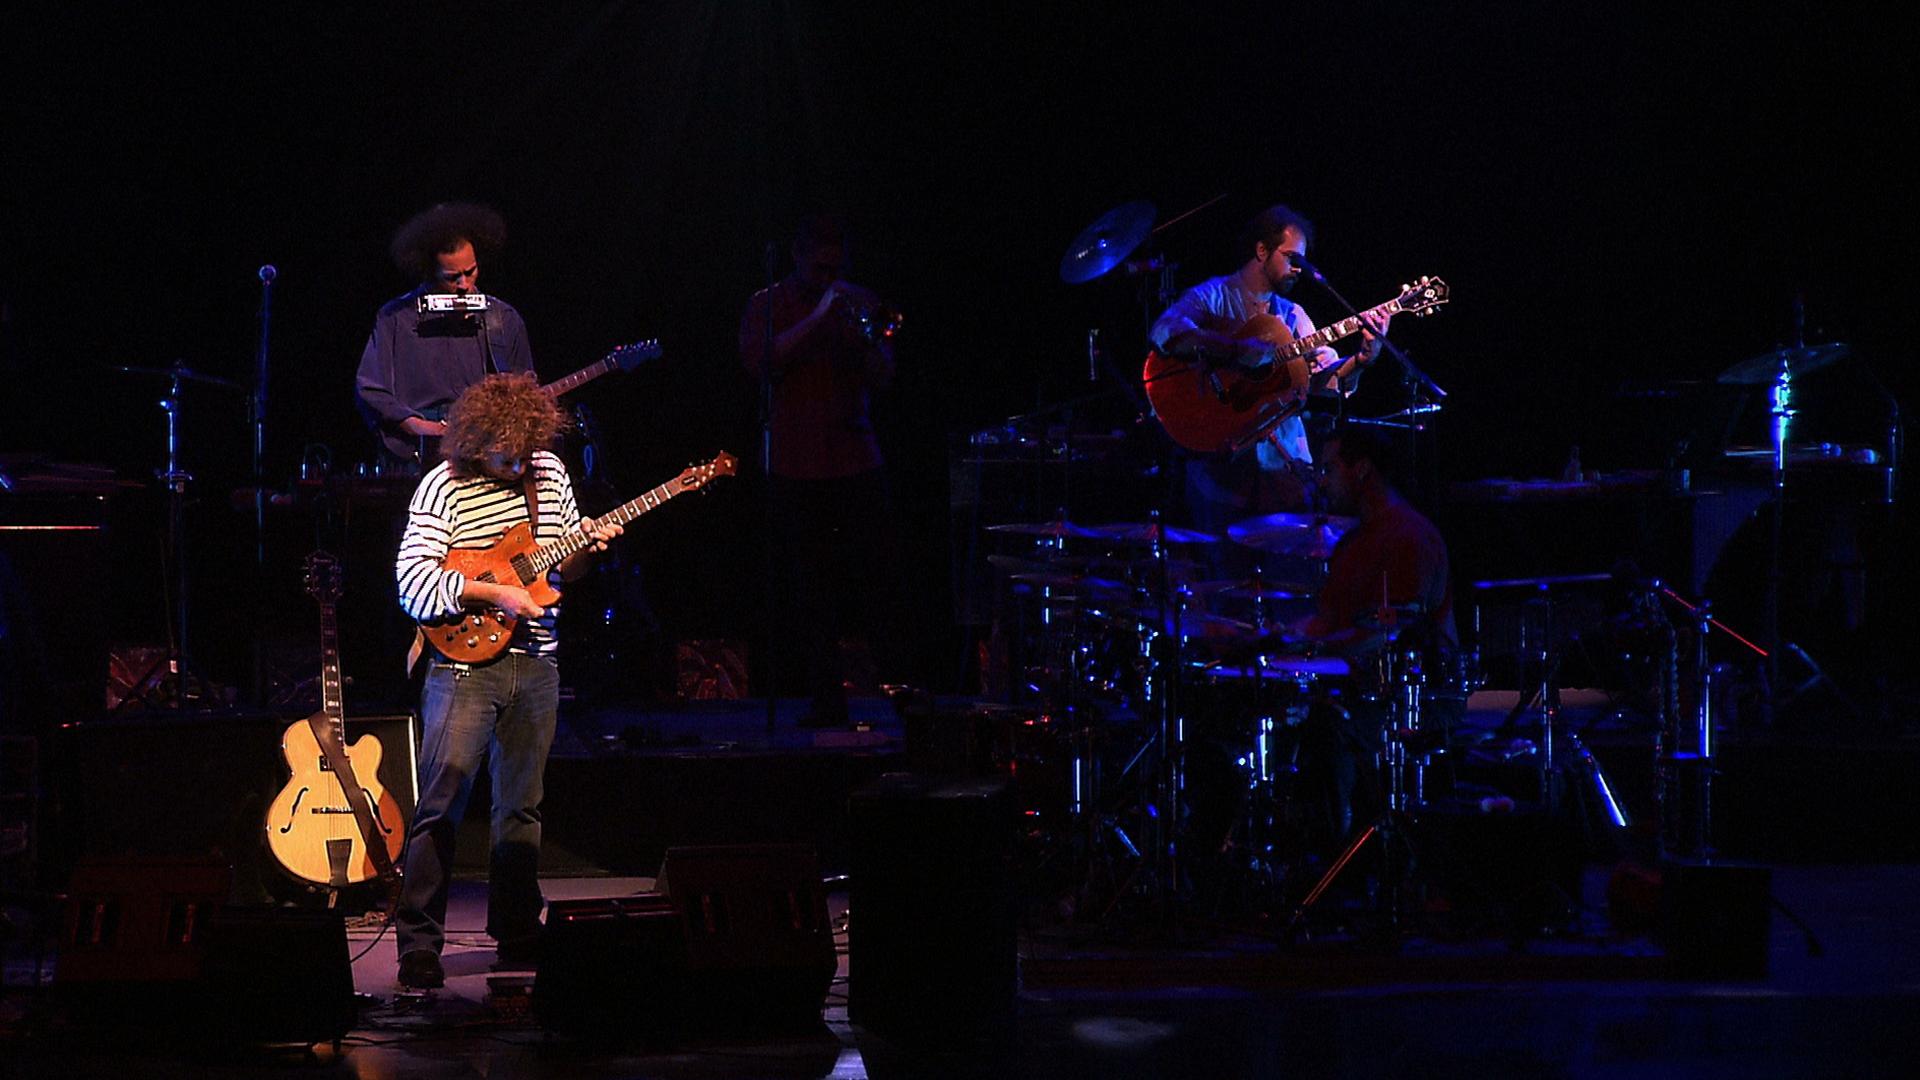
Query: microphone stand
[(771, 617), (1426, 391), (257, 419)]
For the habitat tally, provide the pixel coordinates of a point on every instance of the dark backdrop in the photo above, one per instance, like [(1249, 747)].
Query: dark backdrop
[(1617, 199)]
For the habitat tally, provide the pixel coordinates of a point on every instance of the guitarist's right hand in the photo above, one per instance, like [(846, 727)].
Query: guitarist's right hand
[(420, 425), (512, 599)]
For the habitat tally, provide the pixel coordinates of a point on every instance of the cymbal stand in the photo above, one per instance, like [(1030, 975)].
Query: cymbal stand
[(1782, 411), (180, 688)]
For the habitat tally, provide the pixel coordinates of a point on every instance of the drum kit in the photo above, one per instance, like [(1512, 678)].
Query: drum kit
[(1164, 713)]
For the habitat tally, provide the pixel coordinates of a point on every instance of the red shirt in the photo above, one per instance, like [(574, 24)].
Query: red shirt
[(821, 427), (1397, 547)]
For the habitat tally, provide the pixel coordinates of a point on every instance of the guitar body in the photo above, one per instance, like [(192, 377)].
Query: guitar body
[(1214, 410), (1221, 409), (310, 827), (480, 635)]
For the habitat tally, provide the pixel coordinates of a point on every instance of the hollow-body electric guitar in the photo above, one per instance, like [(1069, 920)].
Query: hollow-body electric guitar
[(333, 824), (1222, 408)]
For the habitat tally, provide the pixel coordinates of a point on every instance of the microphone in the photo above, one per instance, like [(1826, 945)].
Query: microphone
[(1306, 267), (268, 273)]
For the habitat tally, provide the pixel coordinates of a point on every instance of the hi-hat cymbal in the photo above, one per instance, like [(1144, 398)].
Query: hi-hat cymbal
[(1765, 368), (1079, 584), (1150, 532), (1041, 561), (1101, 245), (1051, 529), (181, 371), (1305, 536)]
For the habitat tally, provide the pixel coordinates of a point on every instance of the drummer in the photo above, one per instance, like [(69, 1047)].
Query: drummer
[(1387, 585), (1389, 568)]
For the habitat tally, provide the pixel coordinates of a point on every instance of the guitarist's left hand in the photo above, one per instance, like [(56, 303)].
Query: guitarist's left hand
[(599, 535), (602, 533), (1372, 337)]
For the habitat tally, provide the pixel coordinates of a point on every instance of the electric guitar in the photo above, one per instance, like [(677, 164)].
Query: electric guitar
[(1214, 409), (477, 636), (327, 825), (623, 358)]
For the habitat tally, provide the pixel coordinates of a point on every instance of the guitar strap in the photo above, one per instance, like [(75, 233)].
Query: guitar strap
[(529, 489), (330, 739)]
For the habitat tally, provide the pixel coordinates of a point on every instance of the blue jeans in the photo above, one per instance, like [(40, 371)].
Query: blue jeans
[(503, 710)]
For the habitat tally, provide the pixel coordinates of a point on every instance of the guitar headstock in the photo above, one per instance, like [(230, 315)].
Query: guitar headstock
[(1423, 296), (698, 476), (323, 576), (628, 357)]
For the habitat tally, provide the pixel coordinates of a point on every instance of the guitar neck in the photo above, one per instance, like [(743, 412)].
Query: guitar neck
[(330, 666), (553, 554), (580, 378), (1346, 327)]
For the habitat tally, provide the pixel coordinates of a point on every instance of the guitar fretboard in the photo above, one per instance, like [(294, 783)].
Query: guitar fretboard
[(531, 565), (329, 664), (1333, 332), (577, 379)]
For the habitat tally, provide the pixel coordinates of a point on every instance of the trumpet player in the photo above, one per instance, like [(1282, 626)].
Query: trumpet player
[(823, 346)]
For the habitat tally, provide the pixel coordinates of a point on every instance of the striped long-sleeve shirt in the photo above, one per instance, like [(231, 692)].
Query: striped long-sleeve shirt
[(448, 513)]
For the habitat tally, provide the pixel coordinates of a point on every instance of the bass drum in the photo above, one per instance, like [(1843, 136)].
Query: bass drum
[(1251, 800)]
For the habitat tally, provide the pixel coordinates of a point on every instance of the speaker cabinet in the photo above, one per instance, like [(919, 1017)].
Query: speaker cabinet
[(149, 949), (734, 938), (931, 915)]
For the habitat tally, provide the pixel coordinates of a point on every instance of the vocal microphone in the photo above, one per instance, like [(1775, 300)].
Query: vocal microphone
[(1306, 267), (268, 273)]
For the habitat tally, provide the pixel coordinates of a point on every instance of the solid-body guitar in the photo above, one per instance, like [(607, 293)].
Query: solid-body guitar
[(480, 635), (623, 358), (1222, 408)]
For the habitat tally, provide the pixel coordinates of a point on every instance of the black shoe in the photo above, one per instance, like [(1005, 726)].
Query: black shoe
[(421, 970), (520, 955)]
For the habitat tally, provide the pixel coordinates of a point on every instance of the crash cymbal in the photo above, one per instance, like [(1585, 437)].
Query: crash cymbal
[(1151, 532), (1765, 368), (1051, 529), (1305, 536), (1101, 245), (182, 371)]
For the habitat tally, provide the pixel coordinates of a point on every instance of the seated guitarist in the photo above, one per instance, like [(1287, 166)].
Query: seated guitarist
[(1273, 475), (498, 467), (415, 364)]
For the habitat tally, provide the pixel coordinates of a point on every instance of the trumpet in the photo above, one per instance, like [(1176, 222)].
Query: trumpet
[(868, 315)]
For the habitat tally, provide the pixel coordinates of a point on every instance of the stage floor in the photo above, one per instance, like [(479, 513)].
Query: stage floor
[(1214, 1007)]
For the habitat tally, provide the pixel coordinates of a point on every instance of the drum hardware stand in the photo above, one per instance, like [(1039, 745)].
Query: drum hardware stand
[(1537, 647), (1686, 761), (1402, 721)]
